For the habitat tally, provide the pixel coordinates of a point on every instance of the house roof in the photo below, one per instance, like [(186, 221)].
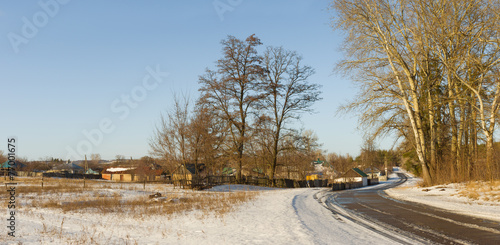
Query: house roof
[(71, 166), (228, 170), (318, 161), (354, 172), (16, 164), (118, 170), (191, 167), (90, 171), (132, 170), (361, 173)]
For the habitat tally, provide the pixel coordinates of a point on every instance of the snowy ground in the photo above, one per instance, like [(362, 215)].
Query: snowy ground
[(279, 216), (276, 216), (445, 197)]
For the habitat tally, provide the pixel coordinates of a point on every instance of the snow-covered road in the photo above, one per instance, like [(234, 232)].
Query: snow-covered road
[(324, 227)]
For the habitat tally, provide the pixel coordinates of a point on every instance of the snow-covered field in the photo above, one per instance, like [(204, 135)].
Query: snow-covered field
[(275, 216), (272, 216)]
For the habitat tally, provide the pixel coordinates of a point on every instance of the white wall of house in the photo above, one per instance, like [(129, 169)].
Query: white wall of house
[(352, 179)]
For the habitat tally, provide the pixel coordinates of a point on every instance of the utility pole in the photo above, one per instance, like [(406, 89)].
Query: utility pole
[(86, 164), (385, 165)]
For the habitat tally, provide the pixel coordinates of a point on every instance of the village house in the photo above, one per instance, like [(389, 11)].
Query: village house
[(17, 166), (130, 174), (185, 173)]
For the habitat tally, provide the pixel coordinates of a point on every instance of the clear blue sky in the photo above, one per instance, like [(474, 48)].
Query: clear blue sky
[(65, 67)]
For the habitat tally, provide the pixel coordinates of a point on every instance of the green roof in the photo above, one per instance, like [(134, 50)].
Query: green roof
[(228, 170), (90, 171), (258, 170), (16, 165), (357, 170)]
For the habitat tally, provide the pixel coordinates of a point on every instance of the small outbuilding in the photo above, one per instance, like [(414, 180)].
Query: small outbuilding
[(129, 174), (353, 175)]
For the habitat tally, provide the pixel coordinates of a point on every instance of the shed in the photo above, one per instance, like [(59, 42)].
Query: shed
[(118, 174), (353, 175)]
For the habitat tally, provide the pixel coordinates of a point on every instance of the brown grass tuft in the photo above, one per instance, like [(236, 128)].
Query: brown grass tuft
[(481, 191)]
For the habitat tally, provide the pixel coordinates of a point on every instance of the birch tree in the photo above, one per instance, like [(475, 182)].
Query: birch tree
[(380, 39), (428, 69)]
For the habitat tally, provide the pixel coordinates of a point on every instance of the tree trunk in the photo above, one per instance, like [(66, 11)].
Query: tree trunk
[(489, 155), (453, 124), (274, 160), (432, 129)]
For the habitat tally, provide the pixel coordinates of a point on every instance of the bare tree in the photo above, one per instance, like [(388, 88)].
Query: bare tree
[(119, 159), (171, 138), (300, 148), (288, 94), (341, 163), (232, 89), (3, 158), (208, 138), (95, 159)]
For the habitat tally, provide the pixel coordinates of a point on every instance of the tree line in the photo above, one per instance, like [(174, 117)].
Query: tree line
[(428, 71), (244, 114)]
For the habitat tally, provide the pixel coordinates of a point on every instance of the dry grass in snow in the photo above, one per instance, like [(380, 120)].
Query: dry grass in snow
[(104, 212), (481, 191), (130, 198)]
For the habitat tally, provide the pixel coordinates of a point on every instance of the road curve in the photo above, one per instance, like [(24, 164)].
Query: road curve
[(395, 219)]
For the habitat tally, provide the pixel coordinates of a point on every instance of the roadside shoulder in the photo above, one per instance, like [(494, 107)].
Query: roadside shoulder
[(445, 197)]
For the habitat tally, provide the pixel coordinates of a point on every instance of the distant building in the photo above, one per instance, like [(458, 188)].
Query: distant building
[(187, 172), (71, 168), (373, 172), (353, 175), (118, 174), (130, 174), (17, 167)]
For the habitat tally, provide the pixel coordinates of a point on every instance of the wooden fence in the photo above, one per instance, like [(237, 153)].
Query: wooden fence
[(210, 181), (73, 176)]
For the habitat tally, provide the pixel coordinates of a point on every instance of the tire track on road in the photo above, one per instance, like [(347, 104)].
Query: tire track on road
[(373, 208)]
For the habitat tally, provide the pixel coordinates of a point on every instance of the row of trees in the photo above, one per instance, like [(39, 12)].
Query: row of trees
[(428, 70), (244, 113)]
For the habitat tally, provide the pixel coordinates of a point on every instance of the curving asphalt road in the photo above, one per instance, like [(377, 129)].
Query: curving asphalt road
[(395, 219)]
